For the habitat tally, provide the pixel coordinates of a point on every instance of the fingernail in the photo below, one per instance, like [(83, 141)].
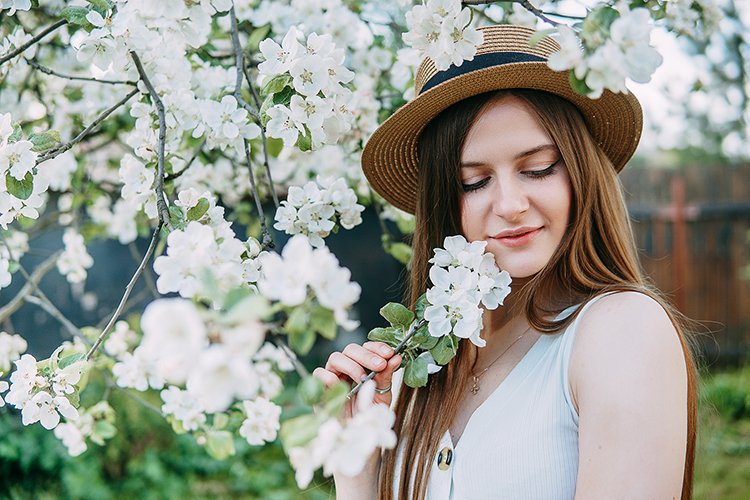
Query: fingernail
[(376, 361), (386, 350), (362, 378)]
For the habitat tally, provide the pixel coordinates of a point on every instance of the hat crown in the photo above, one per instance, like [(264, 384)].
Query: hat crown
[(497, 39)]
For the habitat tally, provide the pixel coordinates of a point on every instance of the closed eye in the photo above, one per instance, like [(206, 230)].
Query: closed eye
[(540, 174), (476, 185)]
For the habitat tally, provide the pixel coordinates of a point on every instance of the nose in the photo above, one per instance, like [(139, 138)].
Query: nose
[(510, 199)]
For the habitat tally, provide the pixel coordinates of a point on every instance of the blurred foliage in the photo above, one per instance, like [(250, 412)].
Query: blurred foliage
[(722, 469), (145, 460)]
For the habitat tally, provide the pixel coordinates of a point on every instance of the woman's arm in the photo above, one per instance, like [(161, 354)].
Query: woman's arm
[(629, 382)]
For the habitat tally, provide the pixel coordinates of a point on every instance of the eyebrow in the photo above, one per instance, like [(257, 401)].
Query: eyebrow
[(519, 156)]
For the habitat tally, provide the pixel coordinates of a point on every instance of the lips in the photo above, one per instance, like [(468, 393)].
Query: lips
[(517, 237)]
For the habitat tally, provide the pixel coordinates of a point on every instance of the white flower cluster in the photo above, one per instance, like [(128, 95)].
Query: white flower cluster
[(463, 277), (14, 5), (262, 421), (43, 396), (440, 30), (311, 209), (319, 110), (19, 244), (196, 253), (698, 23), (346, 447), (17, 162), (207, 362), (137, 186), (301, 269), (94, 423), (626, 53), (74, 260), (11, 348)]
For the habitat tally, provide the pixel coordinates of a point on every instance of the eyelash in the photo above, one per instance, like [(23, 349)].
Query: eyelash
[(532, 174)]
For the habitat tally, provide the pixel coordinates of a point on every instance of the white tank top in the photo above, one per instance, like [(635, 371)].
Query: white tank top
[(522, 441)]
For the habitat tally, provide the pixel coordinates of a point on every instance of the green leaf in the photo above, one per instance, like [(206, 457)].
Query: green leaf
[(397, 314), (334, 398), (20, 189), (177, 217), (70, 359), (578, 85), (257, 36), (304, 141), (220, 421), (276, 84), (423, 339), (323, 321), (284, 96), (539, 35), (444, 350), (302, 341), (199, 210), (421, 305), (267, 104), (415, 374), (387, 335), (401, 252), (274, 146), (299, 431), (45, 140), (16, 134), (104, 429), (310, 390), (76, 15), (219, 444), (297, 321)]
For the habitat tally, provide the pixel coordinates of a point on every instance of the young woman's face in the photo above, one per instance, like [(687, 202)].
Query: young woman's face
[(516, 188)]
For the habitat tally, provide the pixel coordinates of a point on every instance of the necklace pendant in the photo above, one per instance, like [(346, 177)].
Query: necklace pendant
[(475, 385)]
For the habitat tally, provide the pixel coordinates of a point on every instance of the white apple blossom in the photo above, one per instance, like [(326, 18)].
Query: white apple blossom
[(11, 348), (139, 370), (278, 58), (14, 5), (278, 356), (570, 55), (74, 260), (262, 422), (219, 377), (72, 437), (17, 159), (120, 339), (183, 407), (3, 387)]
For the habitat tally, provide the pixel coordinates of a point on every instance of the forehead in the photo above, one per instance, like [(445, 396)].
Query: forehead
[(505, 126)]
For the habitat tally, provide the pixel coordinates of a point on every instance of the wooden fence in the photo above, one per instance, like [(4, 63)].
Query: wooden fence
[(692, 226)]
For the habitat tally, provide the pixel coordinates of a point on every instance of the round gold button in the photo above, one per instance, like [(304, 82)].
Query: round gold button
[(444, 458)]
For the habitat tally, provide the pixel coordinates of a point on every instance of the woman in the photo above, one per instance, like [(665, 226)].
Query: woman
[(586, 387)]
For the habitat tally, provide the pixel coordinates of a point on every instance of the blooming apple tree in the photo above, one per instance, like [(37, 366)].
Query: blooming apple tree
[(128, 118)]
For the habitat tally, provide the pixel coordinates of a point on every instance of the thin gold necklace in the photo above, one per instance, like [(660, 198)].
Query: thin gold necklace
[(475, 384)]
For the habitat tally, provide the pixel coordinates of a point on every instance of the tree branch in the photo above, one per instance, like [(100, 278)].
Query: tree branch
[(160, 203), (49, 29), (48, 71), (43, 302), (128, 291), (61, 149), (526, 4), (174, 176), (31, 284)]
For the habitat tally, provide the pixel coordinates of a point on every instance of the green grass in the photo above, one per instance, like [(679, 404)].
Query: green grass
[(722, 468)]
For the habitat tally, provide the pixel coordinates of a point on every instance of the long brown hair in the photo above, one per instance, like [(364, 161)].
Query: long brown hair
[(597, 255)]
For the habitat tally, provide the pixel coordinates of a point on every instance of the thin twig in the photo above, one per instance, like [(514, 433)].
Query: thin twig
[(49, 29), (160, 203), (31, 284), (174, 176), (48, 71), (264, 140), (128, 290), (49, 307), (61, 149), (133, 249), (298, 366), (524, 3), (399, 348), (266, 238), (239, 64)]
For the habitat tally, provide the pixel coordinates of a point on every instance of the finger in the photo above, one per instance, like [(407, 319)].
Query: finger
[(328, 378), (340, 364), (365, 357), (380, 348), (383, 379)]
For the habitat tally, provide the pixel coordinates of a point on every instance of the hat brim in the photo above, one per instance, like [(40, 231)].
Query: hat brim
[(389, 159)]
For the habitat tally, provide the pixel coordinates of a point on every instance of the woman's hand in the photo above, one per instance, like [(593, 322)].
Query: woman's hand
[(352, 365)]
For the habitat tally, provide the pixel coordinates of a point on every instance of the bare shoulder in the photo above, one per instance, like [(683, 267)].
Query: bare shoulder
[(625, 340)]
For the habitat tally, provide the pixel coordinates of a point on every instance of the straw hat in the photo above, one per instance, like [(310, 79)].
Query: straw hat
[(504, 60)]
